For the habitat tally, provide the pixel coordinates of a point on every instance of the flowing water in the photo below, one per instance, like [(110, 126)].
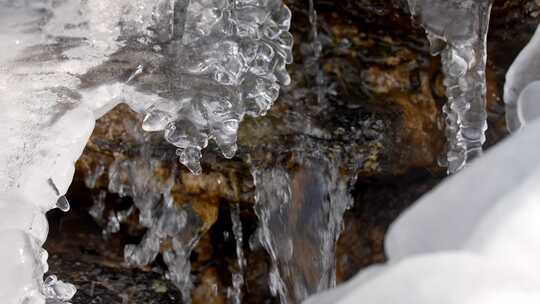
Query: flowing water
[(301, 212), (238, 280)]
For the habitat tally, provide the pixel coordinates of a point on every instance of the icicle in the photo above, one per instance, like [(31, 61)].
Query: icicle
[(300, 216), (157, 211), (458, 30), (235, 292), (313, 61)]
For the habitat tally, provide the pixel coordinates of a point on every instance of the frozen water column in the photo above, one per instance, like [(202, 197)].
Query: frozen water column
[(457, 29)]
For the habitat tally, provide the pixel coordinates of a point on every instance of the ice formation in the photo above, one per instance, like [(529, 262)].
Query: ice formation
[(521, 87), (229, 58), (462, 46), (455, 246), (300, 214), (226, 59), (166, 222), (313, 53)]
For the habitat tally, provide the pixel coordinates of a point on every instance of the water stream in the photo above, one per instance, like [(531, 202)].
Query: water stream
[(238, 280), (300, 212)]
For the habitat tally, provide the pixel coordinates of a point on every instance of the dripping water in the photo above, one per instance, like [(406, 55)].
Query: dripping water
[(313, 61), (300, 213), (235, 292), (316, 47)]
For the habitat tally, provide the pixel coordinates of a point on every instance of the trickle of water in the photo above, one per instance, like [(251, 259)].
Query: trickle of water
[(300, 214), (457, 29), (313, 62), (235, 292)]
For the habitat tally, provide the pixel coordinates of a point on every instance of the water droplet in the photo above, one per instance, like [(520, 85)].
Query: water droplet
[(62, 203)]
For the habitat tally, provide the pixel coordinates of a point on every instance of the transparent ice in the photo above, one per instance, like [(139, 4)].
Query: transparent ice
[(229, 58), (457, 29)]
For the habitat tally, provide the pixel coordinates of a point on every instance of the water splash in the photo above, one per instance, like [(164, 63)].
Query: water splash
[(300, 213), (313, 63), (457, 29)]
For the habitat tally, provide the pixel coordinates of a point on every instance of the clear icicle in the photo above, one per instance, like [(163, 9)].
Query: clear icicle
[(313, 61), (300, 216), (458, 30)]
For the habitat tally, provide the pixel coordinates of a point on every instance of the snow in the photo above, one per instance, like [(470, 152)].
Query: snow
[(528, 106), (524, 71)]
